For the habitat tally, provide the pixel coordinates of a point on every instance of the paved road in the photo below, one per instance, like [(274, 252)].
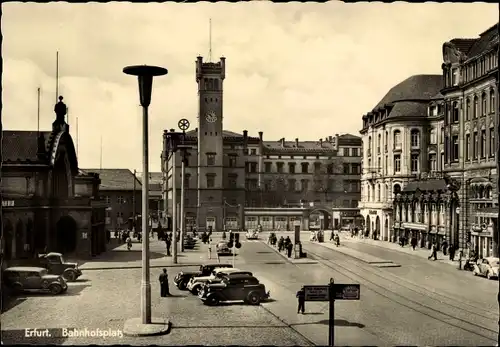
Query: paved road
[(399, 306)]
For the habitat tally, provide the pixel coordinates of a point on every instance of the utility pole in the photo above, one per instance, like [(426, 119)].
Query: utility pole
[(182, 221), (133, 202), (174, 208)]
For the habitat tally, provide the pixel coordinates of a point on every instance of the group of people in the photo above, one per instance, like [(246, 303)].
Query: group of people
[(285, 244)]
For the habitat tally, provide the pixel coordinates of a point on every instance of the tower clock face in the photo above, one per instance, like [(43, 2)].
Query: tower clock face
[(211, 117)]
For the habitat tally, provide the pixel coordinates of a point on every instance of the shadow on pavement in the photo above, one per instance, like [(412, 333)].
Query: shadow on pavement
[(125, 255), (313, 313), (265, 252), (10, 302), (338, 323), (17, 337), (177, 296), (80, 280), (73, 290)]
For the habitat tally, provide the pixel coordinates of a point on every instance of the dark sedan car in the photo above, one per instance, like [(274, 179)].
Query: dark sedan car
[(182, 278), (234, 288)]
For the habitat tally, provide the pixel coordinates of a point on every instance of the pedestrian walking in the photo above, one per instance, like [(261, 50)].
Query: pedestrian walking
[(289, 249), (164, 291), (301, 299), (445, 247), (452, 252), (281, 242), (337, 240), (433, 252), (168, 244), (108, 235), (413, 242)]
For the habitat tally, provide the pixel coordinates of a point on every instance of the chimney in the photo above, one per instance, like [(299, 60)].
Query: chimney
[(297, 142), (261, 135), (282, 142), (321, 142), (330, 138), (245, 138)]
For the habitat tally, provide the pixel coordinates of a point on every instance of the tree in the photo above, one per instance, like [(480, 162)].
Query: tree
[(325, 175)]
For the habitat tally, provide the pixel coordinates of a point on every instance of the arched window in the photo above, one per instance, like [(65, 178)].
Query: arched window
[(368, 193), (379, 143), (369, 145), (386, 142), (476, 108), (397, 139), (484, 102), (211, 84), (467, 109), (397, 189), (415, 138), (433, 136), (492, 101)]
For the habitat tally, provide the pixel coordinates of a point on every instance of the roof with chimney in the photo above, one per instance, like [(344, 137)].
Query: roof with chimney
[(474, 47), (116, 179), (282, 146)]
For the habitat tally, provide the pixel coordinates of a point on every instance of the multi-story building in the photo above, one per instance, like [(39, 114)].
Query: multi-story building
[(397, 134), (235, 180), (121, 191), (155, 194)]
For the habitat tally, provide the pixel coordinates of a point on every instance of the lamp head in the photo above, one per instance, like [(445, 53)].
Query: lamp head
[(145, 74)]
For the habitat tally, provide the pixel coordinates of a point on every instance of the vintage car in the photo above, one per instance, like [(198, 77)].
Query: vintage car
[(487, 267), (54, 262), (182, 279), (234, 288), (196, 283), (27, 278), (222, 248), (252, 235)]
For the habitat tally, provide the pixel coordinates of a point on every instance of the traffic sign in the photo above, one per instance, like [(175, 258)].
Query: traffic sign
[(347, 291), (316, 293)]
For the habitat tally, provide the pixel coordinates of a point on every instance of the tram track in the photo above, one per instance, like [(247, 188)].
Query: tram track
[(401, 291)]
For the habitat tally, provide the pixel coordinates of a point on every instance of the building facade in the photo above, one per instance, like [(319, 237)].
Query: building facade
[(48, 204), (396, 139), (233, 180), (120, 190)]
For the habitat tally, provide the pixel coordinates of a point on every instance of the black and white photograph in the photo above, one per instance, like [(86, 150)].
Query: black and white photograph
[(250, 174)]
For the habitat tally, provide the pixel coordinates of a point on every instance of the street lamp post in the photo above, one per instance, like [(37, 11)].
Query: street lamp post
[(183, 125), (144, 325)]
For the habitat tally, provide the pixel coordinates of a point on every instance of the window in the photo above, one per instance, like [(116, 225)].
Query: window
[(455, 113), (345, 167), (267, 167), (346, 186), (355, 152), (442, 161), (330, 169), (467, 109), (305, 167), (467, 146), (397, 163), (187, 179), (492, 101), (441, 140), (484, 107), (454, 77), (475, 145), (455, 148), (492, 142), (233, 181), (433, 162), (291, 167), (397, 139), (291, 184), (210, 181), (253, 151), (476, 108), (210, 159), (317, 168), (279, 167), (414, 163), (379, 164), (232, 160), (369, 146), (483, 143), (355, 169), (379, 143), (386, 163), (120, 199), (415, 138), (108, 199), (346, 152), (304, 184)]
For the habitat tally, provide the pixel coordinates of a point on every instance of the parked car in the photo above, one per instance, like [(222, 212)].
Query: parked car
[(487, 267), (182, 279), (222, 248), (234, 288), (27, 278), (54, 263), (196, 283), (252, 235)]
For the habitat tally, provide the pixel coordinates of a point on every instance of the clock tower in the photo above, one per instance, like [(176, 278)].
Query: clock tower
[(210, 78)]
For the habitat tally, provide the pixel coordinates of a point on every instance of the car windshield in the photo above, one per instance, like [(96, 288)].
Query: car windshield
[(62, 259)]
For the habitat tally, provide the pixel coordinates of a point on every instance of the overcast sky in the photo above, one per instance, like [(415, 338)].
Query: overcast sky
[(293, 70)]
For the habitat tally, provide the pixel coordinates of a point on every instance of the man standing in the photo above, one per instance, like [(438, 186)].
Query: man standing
[(168, 243), (445, 247), (289, 248), (452, 252), (164, 291), (434, 252), (301, 298)]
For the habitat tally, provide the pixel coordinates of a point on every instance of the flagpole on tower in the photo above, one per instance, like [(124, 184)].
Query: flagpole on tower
[(100, 160), (57, 76)]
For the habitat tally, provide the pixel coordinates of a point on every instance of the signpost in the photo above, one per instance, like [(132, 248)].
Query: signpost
[(330, 293)]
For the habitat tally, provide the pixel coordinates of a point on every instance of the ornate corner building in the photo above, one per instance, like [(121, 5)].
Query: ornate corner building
[(237, 181), (48, 204), (438, 159)]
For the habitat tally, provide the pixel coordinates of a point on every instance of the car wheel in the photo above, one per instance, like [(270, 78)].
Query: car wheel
[(55, 289), (182, 285), (212, 300), (195, 290), (70, 276), (488, 275), (253, 298)]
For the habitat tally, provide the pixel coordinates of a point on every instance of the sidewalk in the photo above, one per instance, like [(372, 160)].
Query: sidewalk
[(121, 258), (419, 252), (299, 261), (367, 258)]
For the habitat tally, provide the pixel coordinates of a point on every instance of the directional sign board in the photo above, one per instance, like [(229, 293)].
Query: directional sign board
[(316, 293), (347, 291)]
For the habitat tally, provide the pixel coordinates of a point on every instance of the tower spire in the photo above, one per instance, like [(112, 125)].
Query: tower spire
[(210, 41)]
